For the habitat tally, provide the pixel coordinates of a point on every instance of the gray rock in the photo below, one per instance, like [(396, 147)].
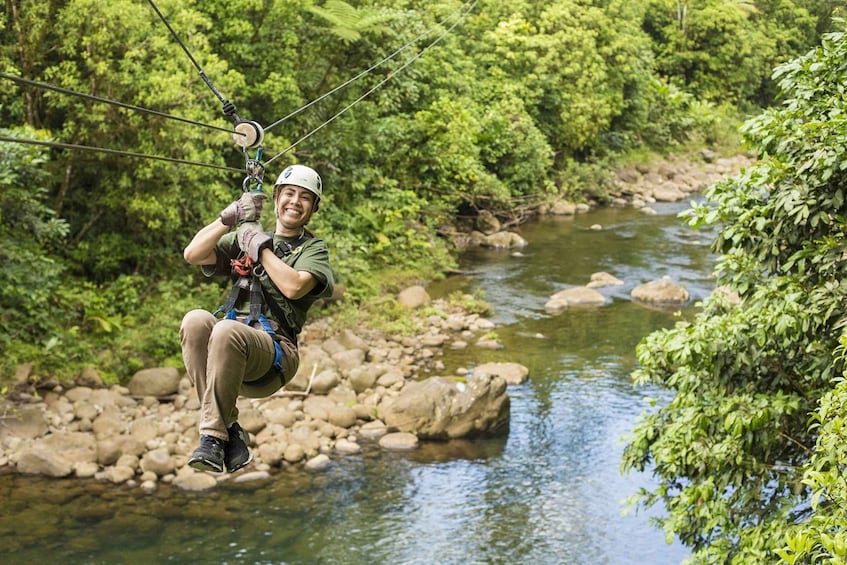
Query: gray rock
[(504, 240), (22, 422), (195, 481), (271, 453), (487, 223), (444, 408), (158, 381), (294, 453), (348, 360), (41, 461), (399, 441), (325, 381), (364, 377), (414, 297), (89, 376), (252, 420), (346, 446), (318, 407), (513, 373), (563, 208), (56, 454), (661, 291), (318, 463), (352, 341), (107, 425), (252, 476), (390, 378), (341, 416), (668, 193), (144, 429), (577, 296), (373, 430), (601, 279), (158, 461), (117, 474)]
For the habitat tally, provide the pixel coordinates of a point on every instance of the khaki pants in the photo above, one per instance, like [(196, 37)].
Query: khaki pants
[(225, 358)]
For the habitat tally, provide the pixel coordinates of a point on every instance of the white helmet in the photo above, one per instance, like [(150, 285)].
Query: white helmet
[(300, 175)]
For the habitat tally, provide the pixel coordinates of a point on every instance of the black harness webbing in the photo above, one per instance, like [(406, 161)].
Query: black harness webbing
[(252, 282), (249, 279)]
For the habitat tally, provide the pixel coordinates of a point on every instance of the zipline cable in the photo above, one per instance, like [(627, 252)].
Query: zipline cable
[(21, 80), (226, 103), (369, 92), (58, 145), (366, 71), (206, 79)]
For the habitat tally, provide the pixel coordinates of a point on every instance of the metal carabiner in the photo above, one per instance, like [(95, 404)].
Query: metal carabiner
[(255, 171), (245, 186)]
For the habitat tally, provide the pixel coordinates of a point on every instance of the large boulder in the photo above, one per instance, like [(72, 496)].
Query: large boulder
[(57, 454), (601, 279), (487, 223), (577, 296), (447, 408), (661, 292), (159, 381), (513, 373), (504, 240), (23, 422), (414, 297)]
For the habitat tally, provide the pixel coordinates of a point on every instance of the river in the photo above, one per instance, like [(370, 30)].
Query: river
[(549, 492)]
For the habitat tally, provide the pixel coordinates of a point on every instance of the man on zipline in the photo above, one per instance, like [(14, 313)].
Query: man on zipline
[(253, 350)]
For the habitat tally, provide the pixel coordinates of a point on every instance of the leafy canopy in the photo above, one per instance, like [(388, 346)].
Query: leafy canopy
[(740, 468)]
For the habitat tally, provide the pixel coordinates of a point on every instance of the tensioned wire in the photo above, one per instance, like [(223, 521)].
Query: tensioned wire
[(21, 80), (36, 84), (369, 69), (58, 145), (368, 93)]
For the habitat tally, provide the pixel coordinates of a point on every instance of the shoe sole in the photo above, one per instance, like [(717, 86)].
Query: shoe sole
[(205, 465)]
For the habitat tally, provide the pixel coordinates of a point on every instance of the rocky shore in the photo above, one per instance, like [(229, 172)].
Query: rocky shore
[(352, 387)]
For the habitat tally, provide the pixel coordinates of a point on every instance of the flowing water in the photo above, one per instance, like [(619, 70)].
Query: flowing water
[(549, 492)]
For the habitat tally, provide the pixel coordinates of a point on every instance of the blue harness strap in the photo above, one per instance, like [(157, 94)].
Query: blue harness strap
[(256, 301)]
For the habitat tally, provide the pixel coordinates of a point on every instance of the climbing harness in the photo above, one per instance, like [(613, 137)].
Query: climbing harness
[(249, 278)]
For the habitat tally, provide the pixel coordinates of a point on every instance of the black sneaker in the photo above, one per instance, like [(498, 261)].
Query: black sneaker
[(236, 453), (209, 456)]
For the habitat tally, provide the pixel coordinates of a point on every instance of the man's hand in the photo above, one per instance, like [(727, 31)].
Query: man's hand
[(248, 208), (251, 240)]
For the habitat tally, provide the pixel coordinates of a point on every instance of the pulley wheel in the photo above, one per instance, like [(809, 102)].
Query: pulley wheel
[(248, 134)]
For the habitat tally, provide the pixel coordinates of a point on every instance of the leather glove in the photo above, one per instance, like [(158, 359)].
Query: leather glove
[(252, 239), (248, 208)]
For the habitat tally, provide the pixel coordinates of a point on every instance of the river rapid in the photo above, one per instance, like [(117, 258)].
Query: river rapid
[(548, 492)]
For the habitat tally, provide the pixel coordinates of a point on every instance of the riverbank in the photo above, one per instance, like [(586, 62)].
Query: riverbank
[(140, 436), (144, 432)]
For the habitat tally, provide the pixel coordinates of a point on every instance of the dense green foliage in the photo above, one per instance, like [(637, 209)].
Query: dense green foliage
[(745, 474), (502, 109)]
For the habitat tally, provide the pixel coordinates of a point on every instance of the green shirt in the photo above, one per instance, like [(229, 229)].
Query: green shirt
[(310, 255)]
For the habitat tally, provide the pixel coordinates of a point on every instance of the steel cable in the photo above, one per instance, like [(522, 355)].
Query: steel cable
[(366, 71), (115, 152), (21, 80), (370, 91)]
